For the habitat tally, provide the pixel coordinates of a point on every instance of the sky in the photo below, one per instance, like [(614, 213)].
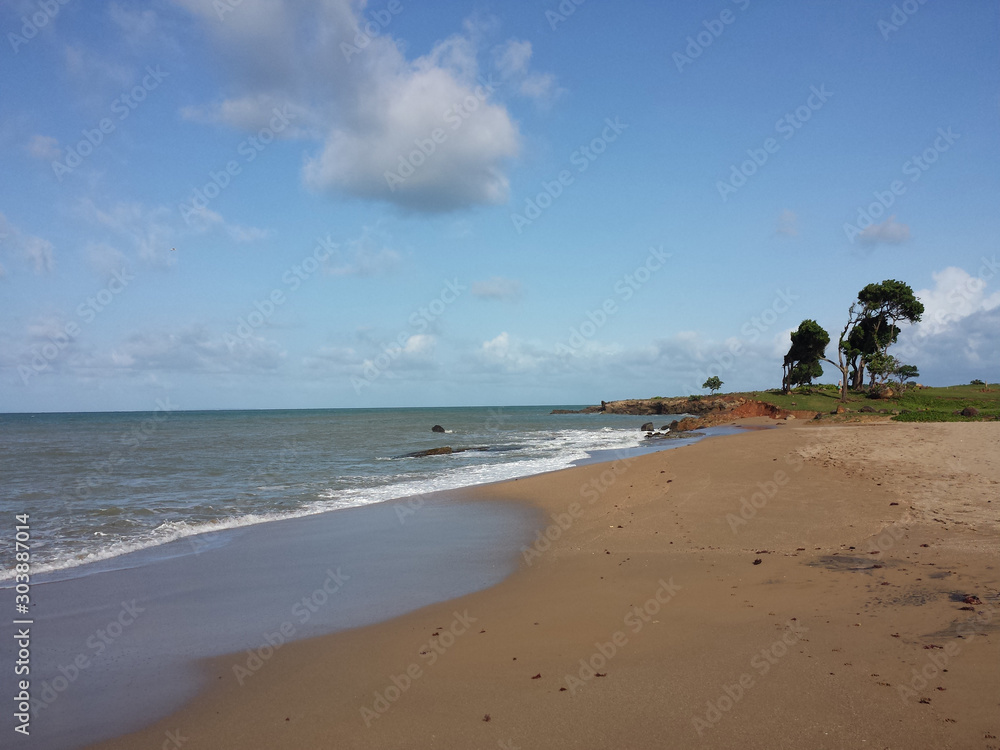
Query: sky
[(338, 203)]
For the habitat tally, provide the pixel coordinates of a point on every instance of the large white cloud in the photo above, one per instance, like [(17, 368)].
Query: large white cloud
[(957, 294), (423, 134), (959, 336)]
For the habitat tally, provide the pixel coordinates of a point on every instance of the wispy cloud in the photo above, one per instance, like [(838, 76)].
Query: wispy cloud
[(44, 147), (889, 232), (788, 224), (367, 255), (23, 248), (512, 61), (497, 288)]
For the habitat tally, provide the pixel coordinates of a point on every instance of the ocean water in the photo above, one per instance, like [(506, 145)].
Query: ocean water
[(97, 486)]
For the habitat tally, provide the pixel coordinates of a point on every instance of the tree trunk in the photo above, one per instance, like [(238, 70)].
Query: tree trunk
[(859, 373), (842, 364)]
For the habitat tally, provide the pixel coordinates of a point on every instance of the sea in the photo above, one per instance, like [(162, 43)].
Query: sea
[(161, 539), (98, 486)]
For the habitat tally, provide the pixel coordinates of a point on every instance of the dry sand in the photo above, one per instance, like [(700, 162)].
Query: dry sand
[(849, 633)]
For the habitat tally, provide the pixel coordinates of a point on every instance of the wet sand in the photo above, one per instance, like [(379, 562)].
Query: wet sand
[(807, 586)]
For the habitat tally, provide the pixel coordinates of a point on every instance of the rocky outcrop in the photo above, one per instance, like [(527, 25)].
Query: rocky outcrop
[(743, 410), (653, 406), (437, 428), (712, 410)]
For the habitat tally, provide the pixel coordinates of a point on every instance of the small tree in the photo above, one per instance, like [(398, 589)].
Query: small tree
[(882, 366), (906, 372), (713, 384)]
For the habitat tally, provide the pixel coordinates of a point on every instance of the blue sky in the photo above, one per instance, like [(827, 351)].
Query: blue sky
[(325, 203)]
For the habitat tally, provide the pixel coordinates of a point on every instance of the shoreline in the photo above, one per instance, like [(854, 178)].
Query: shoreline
[(84, 563), (153, 578), (119, 649), (820, 612)]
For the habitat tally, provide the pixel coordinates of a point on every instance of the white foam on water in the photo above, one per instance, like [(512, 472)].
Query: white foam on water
[(532, 453)]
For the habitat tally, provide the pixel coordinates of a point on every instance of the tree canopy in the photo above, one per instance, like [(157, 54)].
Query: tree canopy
[(871, 327), (801, 363), (713, 383)]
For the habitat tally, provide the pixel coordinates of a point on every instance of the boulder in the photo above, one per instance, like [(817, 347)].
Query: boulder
[(970, 411), (840, 410), (437, 428), (648, 427), (867, 409)]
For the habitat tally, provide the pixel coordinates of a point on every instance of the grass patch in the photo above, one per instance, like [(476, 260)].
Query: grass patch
[(915, 405), (941, 404), (824, 398)]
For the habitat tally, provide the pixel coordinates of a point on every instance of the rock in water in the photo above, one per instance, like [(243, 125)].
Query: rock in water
[(648, 427), (437, 428), (430, 452)]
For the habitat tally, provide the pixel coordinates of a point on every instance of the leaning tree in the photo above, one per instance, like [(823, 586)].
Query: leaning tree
[(878, 309), (801, 364)]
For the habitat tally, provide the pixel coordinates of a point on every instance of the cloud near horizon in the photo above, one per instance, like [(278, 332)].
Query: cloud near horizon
[(957, 332), (375, 112)]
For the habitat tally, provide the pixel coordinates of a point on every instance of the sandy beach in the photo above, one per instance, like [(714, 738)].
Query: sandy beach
[(801, 587)]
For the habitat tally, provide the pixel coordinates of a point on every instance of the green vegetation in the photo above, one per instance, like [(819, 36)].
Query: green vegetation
[(713, 384), (801, 363), (941, 404), (913, 405), (871, 329)]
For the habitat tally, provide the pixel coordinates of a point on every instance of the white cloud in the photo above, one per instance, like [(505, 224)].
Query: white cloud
[(957, 294), (44, 147), (889, 231), (957, 338), (90, 68), (367, 255), (419, 345), (497, 287), (150, 231), (512, 58), (539, 86), (196, 349), (511, 355), (512, 62), (203, 219), (371, 106), (39, 252)]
